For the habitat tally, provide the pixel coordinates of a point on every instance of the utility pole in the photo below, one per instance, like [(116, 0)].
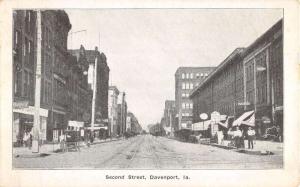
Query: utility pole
[(94, 91), (36, 120)]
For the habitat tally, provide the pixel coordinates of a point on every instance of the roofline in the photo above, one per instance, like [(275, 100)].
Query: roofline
[(224, 63), (191, 67)]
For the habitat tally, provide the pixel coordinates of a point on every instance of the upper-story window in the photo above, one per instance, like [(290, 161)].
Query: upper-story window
[(201, 74), (183, 86), (206, 74), (197, 75), (191, 86), (192, 76), (187, 76), (182, 76)]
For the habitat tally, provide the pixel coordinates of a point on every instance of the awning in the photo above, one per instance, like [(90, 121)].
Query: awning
[(201, 126), (225, 124), (242, 118), (250, 121)]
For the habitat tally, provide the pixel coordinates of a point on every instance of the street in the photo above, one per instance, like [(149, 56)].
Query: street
[(150, 152)]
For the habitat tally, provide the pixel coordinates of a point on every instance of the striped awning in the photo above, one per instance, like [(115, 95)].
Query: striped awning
[(243, 119)]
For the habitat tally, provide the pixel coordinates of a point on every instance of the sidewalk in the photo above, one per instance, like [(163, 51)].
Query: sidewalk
[(51, 148), (259, 148)]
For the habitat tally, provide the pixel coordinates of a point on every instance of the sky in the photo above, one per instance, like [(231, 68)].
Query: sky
[(144, 47)]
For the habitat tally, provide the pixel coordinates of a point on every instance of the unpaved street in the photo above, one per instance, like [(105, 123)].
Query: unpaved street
[(149, 152)]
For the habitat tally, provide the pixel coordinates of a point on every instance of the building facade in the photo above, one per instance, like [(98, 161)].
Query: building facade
[(169, 115), (222, 90), (186, 79), (249, 79), (113, 94), (263, 78), (102, 79), (122, 114), (64, 93)]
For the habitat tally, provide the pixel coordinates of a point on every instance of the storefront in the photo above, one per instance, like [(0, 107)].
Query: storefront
[(23, 122)]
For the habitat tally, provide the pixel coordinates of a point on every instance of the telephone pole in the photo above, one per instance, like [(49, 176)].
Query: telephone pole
[(38, 71)]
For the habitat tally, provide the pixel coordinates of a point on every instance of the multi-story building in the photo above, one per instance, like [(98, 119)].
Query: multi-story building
[(249, 79), (263, 78), (24, 62), (54, 59), (80, 94), (102, 79), (186, 79), (222, 91), (113, 94), (122, 114), (64, 94)]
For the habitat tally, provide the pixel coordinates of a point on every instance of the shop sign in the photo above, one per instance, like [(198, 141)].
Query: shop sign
[(244, 103), (31, 111), (265, 119), (20, 104), (203, 116)]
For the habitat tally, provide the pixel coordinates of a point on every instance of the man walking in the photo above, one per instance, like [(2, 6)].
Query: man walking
[(251, 135)]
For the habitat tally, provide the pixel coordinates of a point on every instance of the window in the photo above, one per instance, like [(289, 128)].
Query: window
[(183, 95), (191, 106), (16, 37), (187, 76), (192, 76), (187, 86), (201, 74), (183, 86), (197, 75), (183, 105), (206, 74), (182, 76), (191, 86)]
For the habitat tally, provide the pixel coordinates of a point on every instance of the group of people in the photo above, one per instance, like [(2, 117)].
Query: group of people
[(239, 135)]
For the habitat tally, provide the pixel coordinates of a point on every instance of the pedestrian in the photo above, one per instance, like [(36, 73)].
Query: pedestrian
[(242, 139), (237, 137), (26, 138), (62, 140), (220, 136), (279, 133), (251, 135)]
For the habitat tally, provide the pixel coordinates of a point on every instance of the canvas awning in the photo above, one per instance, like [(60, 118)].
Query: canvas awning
[(201, 126), (243, 118), (224, 124), (250, 121)]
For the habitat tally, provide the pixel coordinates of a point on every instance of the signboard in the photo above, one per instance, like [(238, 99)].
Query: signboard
[(203, 116), (20, 104), (102, 120), (244, 103), (215, 116), (31, 111), (265, 119)]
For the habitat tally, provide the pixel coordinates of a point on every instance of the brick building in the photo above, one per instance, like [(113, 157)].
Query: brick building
[(64, 89), (249, 79), (113, 110), (101, 103), (263, 78), (186, 78), (222, 89), (122, 114)]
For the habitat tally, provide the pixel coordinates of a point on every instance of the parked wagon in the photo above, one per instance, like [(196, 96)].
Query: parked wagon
[(72, 140)]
